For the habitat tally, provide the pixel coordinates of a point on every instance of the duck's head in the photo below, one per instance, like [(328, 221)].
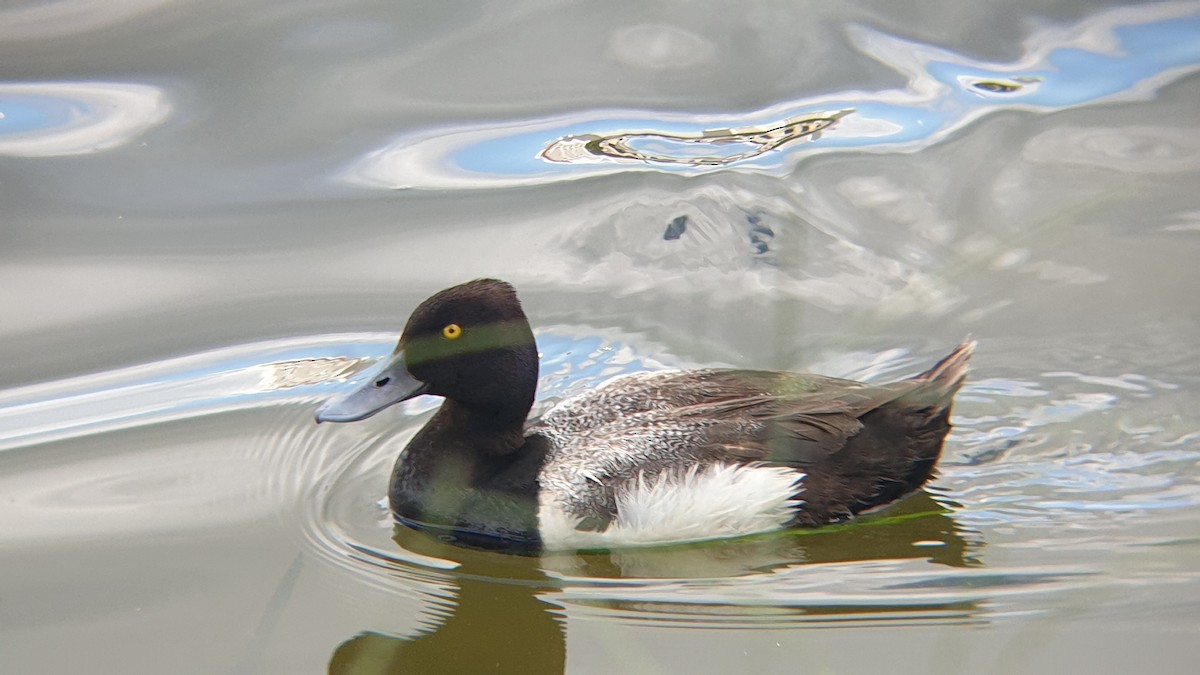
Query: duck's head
[(470, 344)]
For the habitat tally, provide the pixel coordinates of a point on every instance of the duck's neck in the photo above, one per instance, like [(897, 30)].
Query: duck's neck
[(469, 471), (470, 465), (491, 410), (484, 432)]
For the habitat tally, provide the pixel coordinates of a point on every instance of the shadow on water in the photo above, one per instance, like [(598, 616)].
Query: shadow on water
[(511, 610)]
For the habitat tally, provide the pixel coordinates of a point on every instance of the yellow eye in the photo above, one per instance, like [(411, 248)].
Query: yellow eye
[(452, 331)]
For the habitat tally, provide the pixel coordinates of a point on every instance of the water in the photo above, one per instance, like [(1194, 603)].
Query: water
[(214, 216)]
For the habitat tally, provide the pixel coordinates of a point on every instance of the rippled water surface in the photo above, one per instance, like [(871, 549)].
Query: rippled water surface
[(215, 215)]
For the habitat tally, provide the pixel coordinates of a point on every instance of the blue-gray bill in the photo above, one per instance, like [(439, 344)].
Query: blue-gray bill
[(389, 386)]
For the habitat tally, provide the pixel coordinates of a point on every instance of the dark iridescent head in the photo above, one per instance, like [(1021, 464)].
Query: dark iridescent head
[(470, 343)]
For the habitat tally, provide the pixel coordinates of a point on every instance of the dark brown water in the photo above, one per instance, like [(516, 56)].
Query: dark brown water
[(214, 215)]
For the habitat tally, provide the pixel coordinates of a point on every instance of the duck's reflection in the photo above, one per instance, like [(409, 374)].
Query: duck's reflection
[(917, 527), (505, 618), (498, 625)]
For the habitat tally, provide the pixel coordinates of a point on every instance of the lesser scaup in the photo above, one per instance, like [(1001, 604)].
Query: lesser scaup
[(647, 458)]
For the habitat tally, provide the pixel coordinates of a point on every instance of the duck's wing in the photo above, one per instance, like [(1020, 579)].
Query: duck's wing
[(674, 392), (652, 427), (768, 429), (858, 446)]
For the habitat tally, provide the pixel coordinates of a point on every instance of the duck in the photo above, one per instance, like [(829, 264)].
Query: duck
[(649, 458)]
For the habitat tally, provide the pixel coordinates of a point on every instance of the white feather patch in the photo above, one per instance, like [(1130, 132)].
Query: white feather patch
[(722, 500)]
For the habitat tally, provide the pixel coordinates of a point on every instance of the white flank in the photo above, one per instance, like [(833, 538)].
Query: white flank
[(723, 500)]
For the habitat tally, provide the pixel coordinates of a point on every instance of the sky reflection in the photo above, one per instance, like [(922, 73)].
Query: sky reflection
[(1122, 54), (51, 119)]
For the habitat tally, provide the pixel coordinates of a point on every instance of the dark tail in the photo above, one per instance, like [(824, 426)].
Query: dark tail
[(926, 409), (946, 377), (896, 450)]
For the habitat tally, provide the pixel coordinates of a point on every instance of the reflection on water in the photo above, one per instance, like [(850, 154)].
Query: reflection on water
[(1120, 54), (242, 377), (523, 636), (532, 601), (714, 147), (50, 119)]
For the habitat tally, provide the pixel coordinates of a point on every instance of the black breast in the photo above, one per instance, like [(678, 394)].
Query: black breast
[(473, 498)]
